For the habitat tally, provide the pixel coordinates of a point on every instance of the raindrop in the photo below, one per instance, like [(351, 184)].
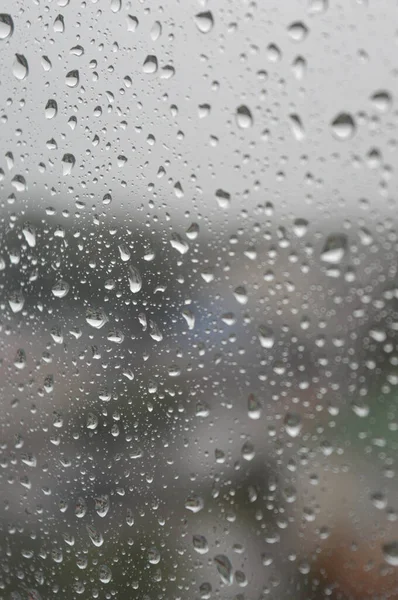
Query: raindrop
[(204, 21), (298, 31), (16, 301), (244, 117), (135, 281), (6, 26), (293, 424), (297, 127), (223, 198), (194, 503), (381, 100), (29, 233), (105, 574), (68, 162), (200, 544), (132, 23), (94, 535), (60, 289), (96, 317), (72, 78), (343, 126), (51, 109), (224, 568), (334, 249), (390, 553), (266, 336), (20, 67), (179, 244), (253, 407), (150, 64)]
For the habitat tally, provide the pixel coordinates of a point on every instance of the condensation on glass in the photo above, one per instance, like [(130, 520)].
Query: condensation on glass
[(199, 300)]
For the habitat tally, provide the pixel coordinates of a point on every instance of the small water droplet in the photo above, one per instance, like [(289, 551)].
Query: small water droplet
[(60, 289), (51, 109)]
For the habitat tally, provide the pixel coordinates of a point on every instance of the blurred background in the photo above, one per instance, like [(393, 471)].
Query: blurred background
[(199, 300)]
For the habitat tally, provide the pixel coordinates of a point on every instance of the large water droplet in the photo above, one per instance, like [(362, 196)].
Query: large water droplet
[(298, 31), (150, 64), (204, 21), (334, 249), (6, 26), (72, 78), (343, 126), (224, 568), (244, 117), (135, 280), (390, 553), (20, 67)]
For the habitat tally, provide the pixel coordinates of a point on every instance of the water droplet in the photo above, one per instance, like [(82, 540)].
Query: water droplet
[(298, 31), (132, 23), (318, 6), (156, 31), (266, 336), (105, 574), (68, 162), (135, 281), (116, 5), (390, 552), (299, 67), (194, 503), (334, 249), (16, 301), (240, 294), (59, 25), (293, 424), (204, 21), (51, 109), (80, 508), (224, 568), (20, 67), (96, 317), (72, 78), (189, 318), (6, 26), (343, 126), (179, 244), (153, 556), (192, 232), (253, 407), (94, 535), (150, 64), (60, 289), (29, 233), (223, 198), (102, 505), (381, 100), (200, 544), (297, 127), (243, 117), (300, 227)]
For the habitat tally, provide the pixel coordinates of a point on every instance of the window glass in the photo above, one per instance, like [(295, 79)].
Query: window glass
[(199, 300)]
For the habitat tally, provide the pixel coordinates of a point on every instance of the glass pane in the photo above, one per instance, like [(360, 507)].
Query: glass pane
[(199, 300)]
